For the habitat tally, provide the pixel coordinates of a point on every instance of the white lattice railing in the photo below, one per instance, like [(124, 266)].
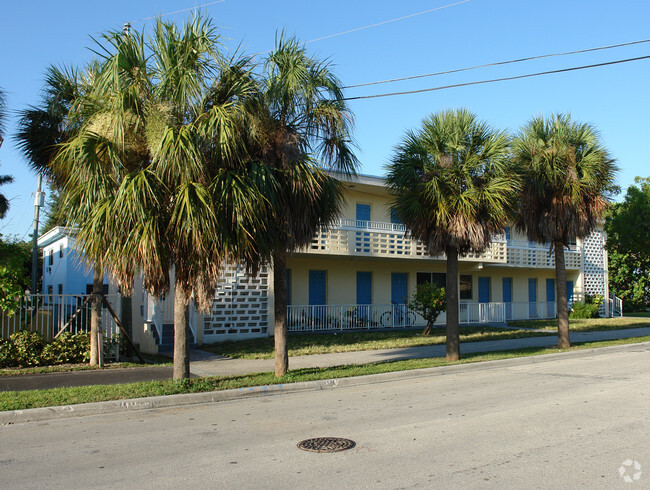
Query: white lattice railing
[(539, 256), (379, 239)]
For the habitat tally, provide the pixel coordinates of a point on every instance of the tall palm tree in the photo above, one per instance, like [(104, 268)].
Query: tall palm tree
[(4, 179), (299, 128), (567, 176), (65, 108), (454, 189), (160, 179)]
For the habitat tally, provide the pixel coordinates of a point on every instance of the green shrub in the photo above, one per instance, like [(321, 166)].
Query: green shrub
[(7, 353), (28, 347), (584, 310), (67, 348)]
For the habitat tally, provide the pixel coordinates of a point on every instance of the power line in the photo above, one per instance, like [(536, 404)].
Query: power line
[(375, 25), (563, 70), (413, 77), (177, 11), (387, 21)]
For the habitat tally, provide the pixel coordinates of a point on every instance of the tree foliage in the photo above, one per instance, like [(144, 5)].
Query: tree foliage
[(429, 301), (568, 176), (454, 188), (628, 244)]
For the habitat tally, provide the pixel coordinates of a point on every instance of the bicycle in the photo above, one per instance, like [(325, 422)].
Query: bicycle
[(403, 317)]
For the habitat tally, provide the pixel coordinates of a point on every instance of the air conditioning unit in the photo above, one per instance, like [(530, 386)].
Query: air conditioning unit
[(49, 270)]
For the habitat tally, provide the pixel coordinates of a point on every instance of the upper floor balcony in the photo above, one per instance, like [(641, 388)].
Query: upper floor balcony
[(390, 240)]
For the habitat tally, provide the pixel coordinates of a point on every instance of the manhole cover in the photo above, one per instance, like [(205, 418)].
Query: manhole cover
[(326, 444)]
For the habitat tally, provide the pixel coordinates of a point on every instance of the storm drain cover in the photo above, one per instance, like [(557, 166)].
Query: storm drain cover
[(326, 444)]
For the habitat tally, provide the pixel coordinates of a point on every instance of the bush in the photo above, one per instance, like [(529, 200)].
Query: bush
[(28, 347), (587, 309), (429, 301), (7, 353), (67, 348), (584, 310)]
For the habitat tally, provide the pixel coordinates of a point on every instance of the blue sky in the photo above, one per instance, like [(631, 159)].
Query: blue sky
[(615, 98)]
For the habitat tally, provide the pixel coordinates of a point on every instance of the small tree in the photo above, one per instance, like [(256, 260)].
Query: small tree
[(429, 301)]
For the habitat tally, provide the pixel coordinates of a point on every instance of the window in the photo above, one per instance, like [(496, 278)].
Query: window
[(61, 251), (437, 278), (50, 289), (465, 286), (60, 288), (89, 290), (51, 257)]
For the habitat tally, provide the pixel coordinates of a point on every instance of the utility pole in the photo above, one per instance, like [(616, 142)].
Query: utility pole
[(39, 201)]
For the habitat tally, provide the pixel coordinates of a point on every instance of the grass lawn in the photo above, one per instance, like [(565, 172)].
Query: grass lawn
[(152, 360), (19, 400), (587, 325), (307, 344)]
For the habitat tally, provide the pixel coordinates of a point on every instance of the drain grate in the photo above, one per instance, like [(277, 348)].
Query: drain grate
[(326, 444)]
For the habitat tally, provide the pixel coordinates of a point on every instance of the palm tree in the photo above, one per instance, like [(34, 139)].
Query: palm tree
[(160, 180), (4, 179), (454, 189), (65, 107), (567, 176), (299, 129)]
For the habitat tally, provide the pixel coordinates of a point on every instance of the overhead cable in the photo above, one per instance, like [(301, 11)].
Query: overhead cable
[(498, 63), (550, 72)]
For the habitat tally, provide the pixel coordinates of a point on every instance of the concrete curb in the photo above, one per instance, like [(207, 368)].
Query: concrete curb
[(170, 401)]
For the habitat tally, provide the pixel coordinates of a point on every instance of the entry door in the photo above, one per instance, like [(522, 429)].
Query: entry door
[(363, 218), (364, 294), (483, 289), (550, 298), (569, 293), (507, 296), (398, 288), (364, 288), (317, 294), (532, 298)]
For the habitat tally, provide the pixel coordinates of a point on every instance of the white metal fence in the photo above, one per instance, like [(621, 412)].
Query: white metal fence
[(304, 318), (50, 313)]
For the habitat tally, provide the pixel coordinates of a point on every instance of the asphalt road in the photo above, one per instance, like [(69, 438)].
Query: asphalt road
[(566, 423)]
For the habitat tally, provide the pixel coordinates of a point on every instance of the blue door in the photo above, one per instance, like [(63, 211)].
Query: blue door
[(317, 287), (364, 288), (317, 293), (507, 296), (483, 289), (364, 294), (569, 293), (398, 288), (532, 298), (363, 218), (550, 298)]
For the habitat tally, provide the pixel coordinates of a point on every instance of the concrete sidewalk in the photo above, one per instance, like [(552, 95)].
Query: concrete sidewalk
[(207, 364)]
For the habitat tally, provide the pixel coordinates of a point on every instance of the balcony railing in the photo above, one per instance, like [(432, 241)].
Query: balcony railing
[(381, 239)]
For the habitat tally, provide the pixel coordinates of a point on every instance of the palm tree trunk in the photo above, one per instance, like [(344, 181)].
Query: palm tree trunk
[(96, 339), (280, 306), (181, 368), (453, 330), (563, 341)]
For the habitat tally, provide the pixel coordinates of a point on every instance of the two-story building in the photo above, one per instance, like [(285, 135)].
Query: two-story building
[(360, 272)]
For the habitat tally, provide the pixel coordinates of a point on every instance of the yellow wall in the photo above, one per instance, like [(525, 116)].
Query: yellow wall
[(379, 204), (342, 278)]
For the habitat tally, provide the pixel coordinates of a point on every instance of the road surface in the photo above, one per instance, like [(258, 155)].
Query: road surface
[(566, 423)]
